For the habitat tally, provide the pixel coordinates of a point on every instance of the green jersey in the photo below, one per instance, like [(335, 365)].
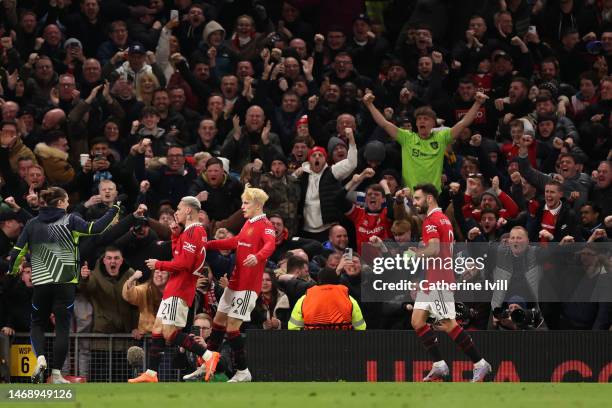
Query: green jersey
[(423, 159)]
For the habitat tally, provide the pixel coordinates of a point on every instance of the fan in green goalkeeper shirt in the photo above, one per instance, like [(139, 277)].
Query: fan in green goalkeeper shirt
[(423, 152)]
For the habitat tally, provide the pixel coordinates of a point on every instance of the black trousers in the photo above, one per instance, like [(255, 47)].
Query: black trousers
[(57, 299)]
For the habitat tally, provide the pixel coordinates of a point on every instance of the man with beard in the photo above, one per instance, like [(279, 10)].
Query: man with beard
[(219, 194), (488, 228), (439, 304), (484, 123), (321, 189)]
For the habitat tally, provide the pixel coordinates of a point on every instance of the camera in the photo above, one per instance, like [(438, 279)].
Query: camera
[(465, 314), (526, 318), (523, 318)]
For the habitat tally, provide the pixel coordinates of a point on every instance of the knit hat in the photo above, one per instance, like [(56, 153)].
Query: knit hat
[(527, 127), (333, 143), (280, 157), (374, 151), (302, 121), (495, 197), (315, 150)]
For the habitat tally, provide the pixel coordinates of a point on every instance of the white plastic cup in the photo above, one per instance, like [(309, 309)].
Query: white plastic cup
[(83, 159)]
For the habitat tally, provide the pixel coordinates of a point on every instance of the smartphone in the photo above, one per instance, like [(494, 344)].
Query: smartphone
[(174, 15), (532, 29), (348, 253)]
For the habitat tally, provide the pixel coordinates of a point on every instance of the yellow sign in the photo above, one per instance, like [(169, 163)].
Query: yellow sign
[(23, 360)]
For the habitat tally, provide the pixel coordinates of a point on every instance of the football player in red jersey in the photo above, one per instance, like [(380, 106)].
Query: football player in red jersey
[(440, 304), (189, 254), (253, 245)]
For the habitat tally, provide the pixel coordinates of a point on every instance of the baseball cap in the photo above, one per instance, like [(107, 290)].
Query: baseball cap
[(501, 54), (137, 49), (72, 42), (363, 17)]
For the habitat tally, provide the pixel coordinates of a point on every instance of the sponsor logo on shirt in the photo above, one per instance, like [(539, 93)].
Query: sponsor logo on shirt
[(245, 244), (376, 230), (189, 247), (269, 231), (431, 228)]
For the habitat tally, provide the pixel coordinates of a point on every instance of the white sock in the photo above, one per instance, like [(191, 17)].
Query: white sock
[(56, 372), (480, 363), (439, 364), (207, 355), (151, 373)]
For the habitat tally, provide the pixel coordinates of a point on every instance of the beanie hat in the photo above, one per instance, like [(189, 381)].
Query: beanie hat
[(280, 157), (333, 143), (302, 121), (315, 150), (374, 151), (495, 197)]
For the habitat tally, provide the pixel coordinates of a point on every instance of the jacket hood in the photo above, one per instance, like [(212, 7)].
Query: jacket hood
[(51, 214), (47, 152), (210, 28)]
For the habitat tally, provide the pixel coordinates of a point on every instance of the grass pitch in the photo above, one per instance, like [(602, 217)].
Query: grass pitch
[(337, 395)]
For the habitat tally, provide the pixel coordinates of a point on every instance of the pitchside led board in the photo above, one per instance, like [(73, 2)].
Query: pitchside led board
[(23, 360)]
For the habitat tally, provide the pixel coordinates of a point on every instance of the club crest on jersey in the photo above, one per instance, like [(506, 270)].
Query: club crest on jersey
[(189, 247), (434, 145)]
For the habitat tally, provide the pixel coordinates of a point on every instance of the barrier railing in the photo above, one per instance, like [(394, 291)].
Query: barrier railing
[(95, 357), (542, 356)]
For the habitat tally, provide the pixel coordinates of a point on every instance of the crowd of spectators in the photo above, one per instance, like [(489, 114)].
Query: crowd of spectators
[(147, 101)]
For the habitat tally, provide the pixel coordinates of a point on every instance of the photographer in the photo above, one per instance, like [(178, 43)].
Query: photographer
[(516, 316)]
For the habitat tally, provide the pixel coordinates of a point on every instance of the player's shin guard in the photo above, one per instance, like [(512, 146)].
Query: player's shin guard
[(213, 343), (157, 347), (186, 341), (465, 343), (430, 342), (236, 342)]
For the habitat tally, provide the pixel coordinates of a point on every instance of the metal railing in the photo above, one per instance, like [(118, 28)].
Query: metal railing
[(102, 357)]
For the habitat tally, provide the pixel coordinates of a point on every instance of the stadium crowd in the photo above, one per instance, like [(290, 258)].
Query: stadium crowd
[(322, 104)]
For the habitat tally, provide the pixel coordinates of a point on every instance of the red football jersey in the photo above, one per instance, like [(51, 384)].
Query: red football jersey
[(437, 225), (189, 255), (369, 224), (256, 237)]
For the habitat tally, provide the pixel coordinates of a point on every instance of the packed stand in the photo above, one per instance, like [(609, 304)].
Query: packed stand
[(327, 106)]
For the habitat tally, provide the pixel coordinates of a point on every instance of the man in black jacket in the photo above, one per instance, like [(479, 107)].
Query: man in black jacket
[(218, 193)]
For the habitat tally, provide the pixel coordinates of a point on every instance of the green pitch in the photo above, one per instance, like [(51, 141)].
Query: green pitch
[(336, 395)]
